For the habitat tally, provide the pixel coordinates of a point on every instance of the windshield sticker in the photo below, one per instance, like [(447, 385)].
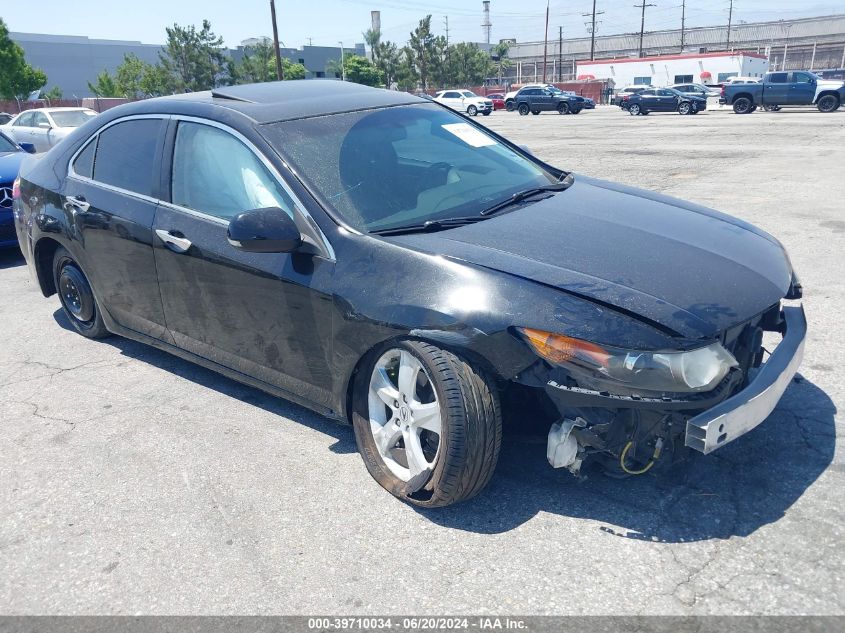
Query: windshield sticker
[(469, 134)]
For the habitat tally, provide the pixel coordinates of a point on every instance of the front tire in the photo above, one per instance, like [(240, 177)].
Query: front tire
[(76, 296), (633, 109), (487, 113), (563, 108), (828, 103), (472, 110), (427, 424), (510, 106), (684, 108)]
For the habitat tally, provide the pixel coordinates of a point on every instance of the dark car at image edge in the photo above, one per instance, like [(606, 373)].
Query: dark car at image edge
[(385, 261)]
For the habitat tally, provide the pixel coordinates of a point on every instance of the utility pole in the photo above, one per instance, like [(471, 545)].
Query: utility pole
[(448, 52), (342, 65), (642, 23), (280, 72), (546, 42), (683, 22), (592, 28), (730, 19), (560, 53)]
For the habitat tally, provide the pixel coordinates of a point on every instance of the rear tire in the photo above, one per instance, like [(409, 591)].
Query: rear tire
[(77, 296), (563, 108), (470, 424), (524, 109), (743, 106), (828, 103)]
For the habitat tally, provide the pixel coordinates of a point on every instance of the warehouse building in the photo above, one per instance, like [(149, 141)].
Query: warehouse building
[(665, 70), (807, 43)]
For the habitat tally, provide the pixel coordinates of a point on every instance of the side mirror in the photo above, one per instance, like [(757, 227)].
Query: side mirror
[(45, 126), (268, 230), (526, 149), (29, 148)]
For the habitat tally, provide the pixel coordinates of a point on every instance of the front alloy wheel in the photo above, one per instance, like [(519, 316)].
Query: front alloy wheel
[(633, 109), (427, 424), (684, 108), (472, 110)]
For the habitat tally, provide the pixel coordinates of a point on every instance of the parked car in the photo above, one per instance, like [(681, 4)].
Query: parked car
[(585, 102), (627, 91), (498, 101), (778, 89), (5, 117), (11, 156), (663, 100), (510, 104), (696, 90), (44, 127), (549, 98), (465, 101), (384, 261)]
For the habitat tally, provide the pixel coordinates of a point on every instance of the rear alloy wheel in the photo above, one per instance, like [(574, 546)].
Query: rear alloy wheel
[(427, 424), (472, 110), (76, 296), (634, 109), (742, 105), (684, 107), (563, 108), (828, 103), (524, 109)]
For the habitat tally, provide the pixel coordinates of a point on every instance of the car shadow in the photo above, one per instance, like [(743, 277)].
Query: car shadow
[(735, 491), (11, 258)]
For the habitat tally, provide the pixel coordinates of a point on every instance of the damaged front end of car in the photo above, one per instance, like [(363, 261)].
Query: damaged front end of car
[(630, 409)]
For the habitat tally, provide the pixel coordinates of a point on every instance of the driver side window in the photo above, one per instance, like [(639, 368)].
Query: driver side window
[(216, 174)]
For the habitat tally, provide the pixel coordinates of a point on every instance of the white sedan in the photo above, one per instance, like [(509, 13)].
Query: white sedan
[(465, 101), (44, 127)]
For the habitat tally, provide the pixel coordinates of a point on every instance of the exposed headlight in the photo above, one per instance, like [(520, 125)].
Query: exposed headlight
[(695, 370)]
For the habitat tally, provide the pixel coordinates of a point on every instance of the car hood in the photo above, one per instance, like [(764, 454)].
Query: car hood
[(830, 84), (683, 268), (10, 163)]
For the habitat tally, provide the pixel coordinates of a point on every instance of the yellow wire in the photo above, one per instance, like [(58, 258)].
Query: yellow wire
[(622, 462)]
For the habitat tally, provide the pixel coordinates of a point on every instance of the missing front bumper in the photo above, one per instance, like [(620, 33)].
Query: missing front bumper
[(745, 410)]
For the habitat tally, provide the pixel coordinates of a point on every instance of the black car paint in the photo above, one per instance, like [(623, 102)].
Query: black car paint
[(650, 102), (299, 324), (547, 100)]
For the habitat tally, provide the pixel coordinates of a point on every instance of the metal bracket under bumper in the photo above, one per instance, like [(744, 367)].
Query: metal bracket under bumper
[(743, 411)]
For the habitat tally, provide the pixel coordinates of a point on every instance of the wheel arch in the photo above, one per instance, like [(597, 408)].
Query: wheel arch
[(43, 253), (826, 93), (747, 95)]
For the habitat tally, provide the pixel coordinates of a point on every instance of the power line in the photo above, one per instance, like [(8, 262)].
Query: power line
[(642, 22)]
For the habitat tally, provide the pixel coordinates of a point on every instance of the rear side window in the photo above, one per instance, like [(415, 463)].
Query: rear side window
[(777, 78), (126, 155), (84, 163)]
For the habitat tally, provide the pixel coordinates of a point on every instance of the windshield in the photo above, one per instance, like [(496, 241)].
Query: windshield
[(6, 145), (403, 165), (72, 118)]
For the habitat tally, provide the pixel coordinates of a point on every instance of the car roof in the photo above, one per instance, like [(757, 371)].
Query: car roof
[(279, 100)]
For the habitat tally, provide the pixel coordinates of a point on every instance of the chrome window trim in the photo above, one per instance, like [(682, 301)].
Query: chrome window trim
[(298, 206)]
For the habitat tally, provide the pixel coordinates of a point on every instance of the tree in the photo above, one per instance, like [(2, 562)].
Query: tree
[(105, 86), (421, 51), (129, 76), (361, 71), (292, 70), (195, 59), (499, 54), (372, 38), (470, 65), (156, 81), (388, 61), (258, 64), (53, 94), (17, 78)]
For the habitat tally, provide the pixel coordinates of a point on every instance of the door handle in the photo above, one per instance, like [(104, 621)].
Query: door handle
[(79, 202), (174, 242)]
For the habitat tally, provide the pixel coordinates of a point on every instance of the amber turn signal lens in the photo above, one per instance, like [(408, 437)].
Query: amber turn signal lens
[(557, 348)]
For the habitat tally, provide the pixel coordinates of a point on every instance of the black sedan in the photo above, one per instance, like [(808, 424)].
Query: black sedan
[(384, 260), (663, 100)]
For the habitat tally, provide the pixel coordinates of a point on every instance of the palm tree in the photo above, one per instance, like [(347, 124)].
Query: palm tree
[(372, 37), (500, 53)]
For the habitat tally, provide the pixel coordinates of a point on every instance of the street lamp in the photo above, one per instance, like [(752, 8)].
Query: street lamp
[(342, 67)]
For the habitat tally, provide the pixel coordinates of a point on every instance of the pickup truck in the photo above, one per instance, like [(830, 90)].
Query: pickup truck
[(778, 89)]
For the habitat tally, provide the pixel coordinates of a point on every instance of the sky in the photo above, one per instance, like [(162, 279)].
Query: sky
[(327, 22)]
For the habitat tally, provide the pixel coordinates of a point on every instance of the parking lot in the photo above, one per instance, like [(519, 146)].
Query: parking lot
[(134, 482)]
